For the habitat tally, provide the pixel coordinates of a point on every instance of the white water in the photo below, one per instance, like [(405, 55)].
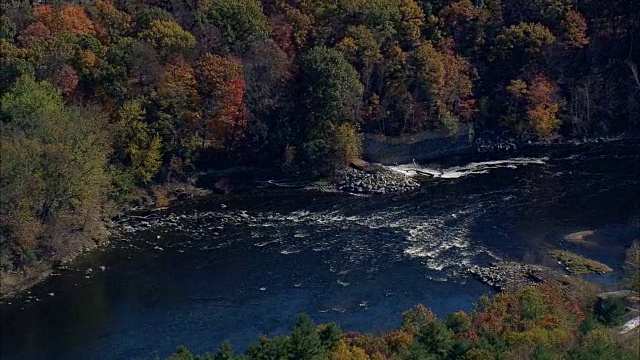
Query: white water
[(630, 325), (465, 170), (441, 241)]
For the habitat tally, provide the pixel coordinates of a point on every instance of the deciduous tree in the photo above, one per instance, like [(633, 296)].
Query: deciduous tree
[(34, 34), (240, 21), (67, 18), (65, 79), (115, 22), (574, 28), (134, 143), (168, 38), (221, 84)]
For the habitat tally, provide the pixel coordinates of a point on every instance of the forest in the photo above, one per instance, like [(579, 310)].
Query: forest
[(538, 323), (101, 97)]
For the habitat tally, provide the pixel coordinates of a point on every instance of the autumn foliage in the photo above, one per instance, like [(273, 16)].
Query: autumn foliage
[(34, 33), (67, 18), (294, 84), (221, 84), (543, 106), (533, 322), (66, 79), (575, 29)]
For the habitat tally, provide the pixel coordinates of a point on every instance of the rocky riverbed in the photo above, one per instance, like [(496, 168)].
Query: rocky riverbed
[(512, 275), (375, 181)]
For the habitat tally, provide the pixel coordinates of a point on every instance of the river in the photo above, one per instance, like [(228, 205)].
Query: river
[(235, 267)]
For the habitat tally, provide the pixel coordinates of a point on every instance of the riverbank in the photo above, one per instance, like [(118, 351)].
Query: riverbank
[(94, 234), (356, 260), (367, 180), (68, 245)]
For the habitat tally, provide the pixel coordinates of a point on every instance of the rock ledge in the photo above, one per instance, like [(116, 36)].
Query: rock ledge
[(375, 181)]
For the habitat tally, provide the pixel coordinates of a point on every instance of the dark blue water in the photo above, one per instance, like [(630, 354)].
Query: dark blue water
[(204, 273)]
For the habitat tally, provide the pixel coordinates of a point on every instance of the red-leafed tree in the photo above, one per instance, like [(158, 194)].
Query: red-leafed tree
[(65, 79), (221, 84), (34, 33)]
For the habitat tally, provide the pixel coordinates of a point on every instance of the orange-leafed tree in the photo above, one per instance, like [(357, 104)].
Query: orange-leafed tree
[(175, 110), (302, 25), (574, 28), (221, 84), (456, 95), (68, 18), (459, 12), (538, 101), (543, 106), (461, 20)]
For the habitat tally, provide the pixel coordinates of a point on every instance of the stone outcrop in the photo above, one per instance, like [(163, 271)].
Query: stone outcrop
[(378, 181), (512, 275)]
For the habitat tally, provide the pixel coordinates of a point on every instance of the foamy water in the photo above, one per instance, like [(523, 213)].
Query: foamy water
[(209, 272), (441, 241), (473, 168)]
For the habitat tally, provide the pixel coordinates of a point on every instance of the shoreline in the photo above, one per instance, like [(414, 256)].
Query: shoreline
[(16, 282)]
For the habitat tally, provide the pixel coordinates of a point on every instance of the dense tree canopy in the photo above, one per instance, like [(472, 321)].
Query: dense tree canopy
[(179, 85), (54, 161)]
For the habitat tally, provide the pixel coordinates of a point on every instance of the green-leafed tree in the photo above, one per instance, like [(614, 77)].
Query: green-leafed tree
[(435, 338), (632, 266), (129, 70), (268, 82), (134, 144), (168, 38), (225, 352), (305, 341), (332, 96), (241, 22), (330, 335), (147, 15), (523, 45), (360, 47), (54, 162), (8, 29)]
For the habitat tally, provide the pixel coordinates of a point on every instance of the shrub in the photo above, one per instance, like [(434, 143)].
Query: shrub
[(610, 311)]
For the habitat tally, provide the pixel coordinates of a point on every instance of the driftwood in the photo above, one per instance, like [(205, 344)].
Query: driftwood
[(424, 173), (287, 185), (125, 218)]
